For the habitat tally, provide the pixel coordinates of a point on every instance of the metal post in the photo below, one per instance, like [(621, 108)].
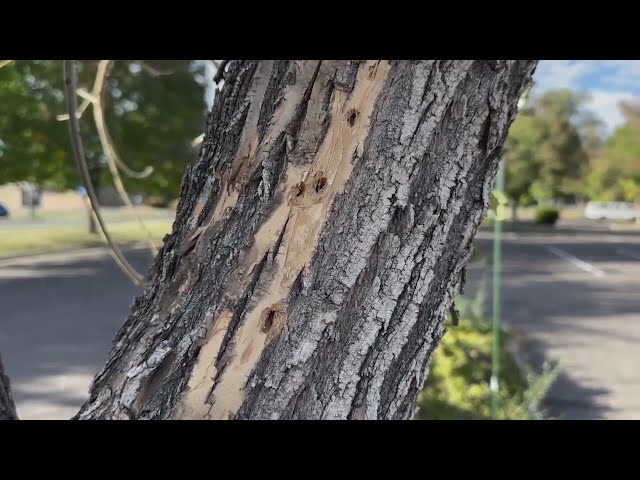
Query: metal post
[(497, 268)]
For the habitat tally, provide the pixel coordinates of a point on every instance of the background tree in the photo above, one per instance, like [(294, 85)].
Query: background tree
[(615, 171), (526, 135), (34, 146), (154, 118), (318, 243), (545, 155), (154, 109), (561, 157), (592, 132)]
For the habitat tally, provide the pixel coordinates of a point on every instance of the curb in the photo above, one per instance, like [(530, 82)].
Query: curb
[(571, 231), (27, 256)]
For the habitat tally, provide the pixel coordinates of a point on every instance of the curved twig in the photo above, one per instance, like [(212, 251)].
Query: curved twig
[(154, 72), (148, 170), (81, 162), (219, 75), (92, 98), (83, 106), (109, 149)]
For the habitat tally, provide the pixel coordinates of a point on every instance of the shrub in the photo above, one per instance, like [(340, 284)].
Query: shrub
[(547, 215), (458, 383)]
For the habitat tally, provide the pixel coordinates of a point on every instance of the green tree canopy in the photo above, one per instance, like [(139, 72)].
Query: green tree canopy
[(526, 135), (545, 156), (153, 108), (615, 171)]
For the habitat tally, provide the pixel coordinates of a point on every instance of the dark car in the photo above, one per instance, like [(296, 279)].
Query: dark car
[(4, 212)]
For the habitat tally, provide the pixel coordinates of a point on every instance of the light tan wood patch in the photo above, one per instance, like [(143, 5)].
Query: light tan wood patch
[(194, 402), (309, 193)]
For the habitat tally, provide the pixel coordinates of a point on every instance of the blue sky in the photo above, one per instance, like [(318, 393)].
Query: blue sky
[(606, 81)]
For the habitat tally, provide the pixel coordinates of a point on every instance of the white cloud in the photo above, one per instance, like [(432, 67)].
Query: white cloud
[(606, 81), (610, 81), (624, 74), (552, 74), (605, 105), (209, 72), (621, 74)]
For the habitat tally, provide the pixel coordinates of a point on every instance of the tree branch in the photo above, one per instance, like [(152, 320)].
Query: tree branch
[(198, 140), (109, 149), (220, 72), (83, 106), (219, 75), (92, 98), (81, 162), (154, 72)]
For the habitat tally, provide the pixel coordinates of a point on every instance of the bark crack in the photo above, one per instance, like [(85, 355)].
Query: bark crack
[(338, 201)]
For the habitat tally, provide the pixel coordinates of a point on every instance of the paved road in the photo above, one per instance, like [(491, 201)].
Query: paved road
[(28, 223), (58, 314), (577, 299)]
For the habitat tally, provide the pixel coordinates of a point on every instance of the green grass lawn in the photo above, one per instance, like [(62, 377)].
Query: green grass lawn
[(627, 226), (568, 216), (32, 240), (109, 214), (527, 214)]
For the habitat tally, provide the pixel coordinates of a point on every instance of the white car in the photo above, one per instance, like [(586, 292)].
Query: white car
[(623, 211)]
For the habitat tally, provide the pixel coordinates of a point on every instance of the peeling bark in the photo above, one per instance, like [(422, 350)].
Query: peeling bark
[(318, 242)]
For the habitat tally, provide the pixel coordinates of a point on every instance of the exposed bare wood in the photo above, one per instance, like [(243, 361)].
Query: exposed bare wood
[(319, 241)]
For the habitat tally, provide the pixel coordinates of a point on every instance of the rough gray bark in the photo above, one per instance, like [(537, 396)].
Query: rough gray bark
[(318, 242), (7, 407)]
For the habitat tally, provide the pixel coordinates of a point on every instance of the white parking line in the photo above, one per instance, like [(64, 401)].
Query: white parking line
[(628, 253), (582, 265)]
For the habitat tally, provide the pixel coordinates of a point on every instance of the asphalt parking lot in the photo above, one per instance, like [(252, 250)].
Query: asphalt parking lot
[(577, 299)]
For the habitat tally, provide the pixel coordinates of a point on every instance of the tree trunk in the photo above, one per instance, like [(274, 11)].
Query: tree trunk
[(7, 407), (94, 174), (93, 228), (514, 211), (318, 242)]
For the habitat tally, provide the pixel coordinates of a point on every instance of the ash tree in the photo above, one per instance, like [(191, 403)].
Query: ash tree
[(318, 242)]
